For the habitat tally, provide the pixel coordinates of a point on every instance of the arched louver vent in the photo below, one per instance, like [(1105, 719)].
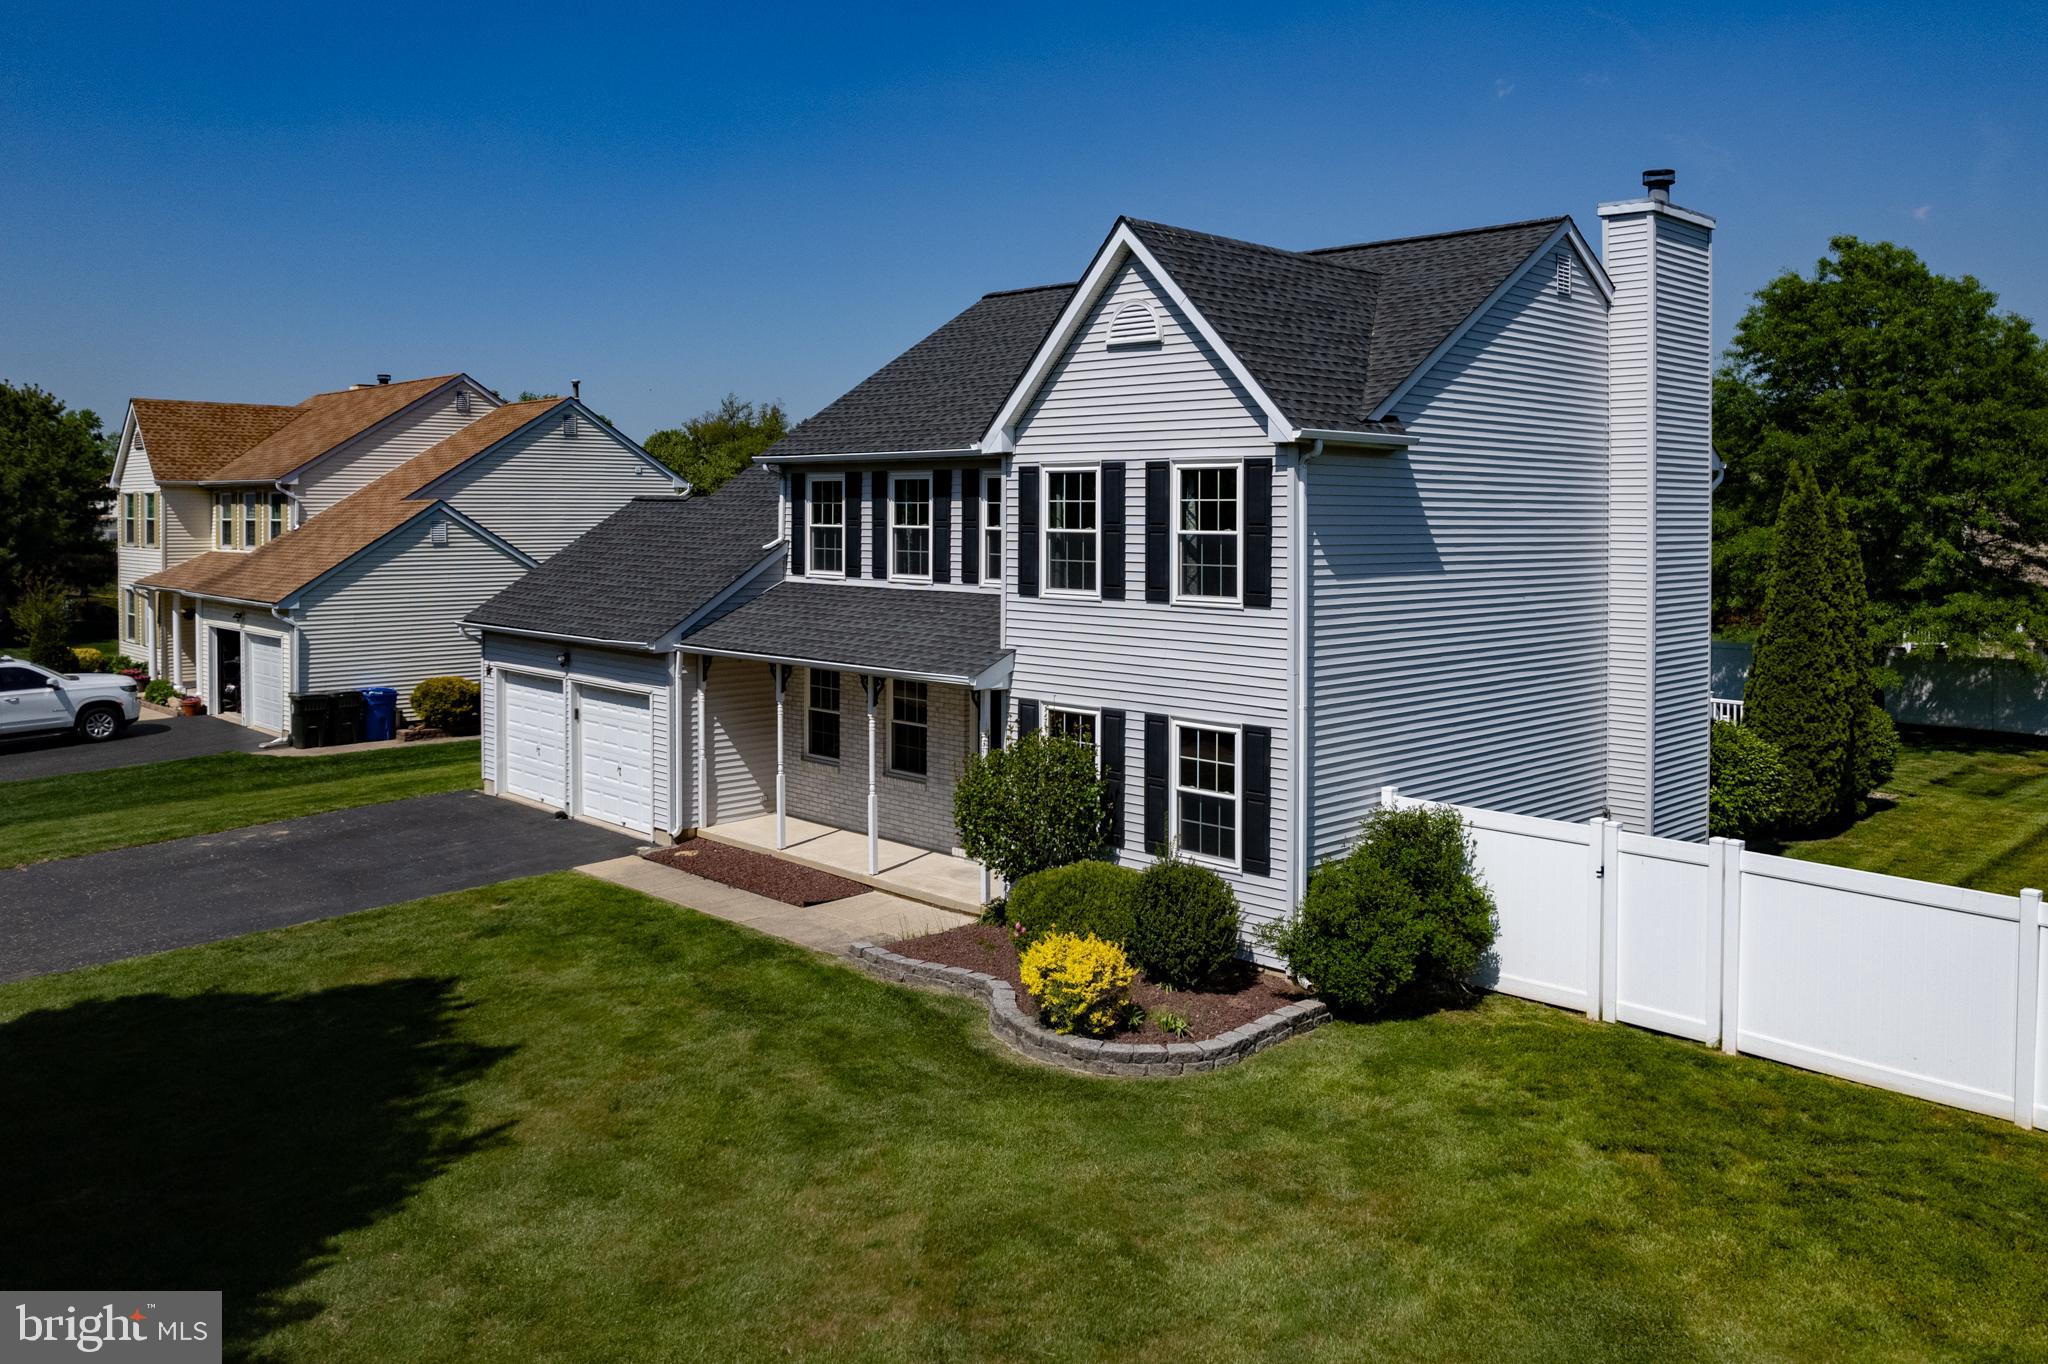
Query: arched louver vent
[(1564, 274), (1135, 324)]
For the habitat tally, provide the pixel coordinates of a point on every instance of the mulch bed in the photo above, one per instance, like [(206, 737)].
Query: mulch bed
[(1242, 994), (758, 872)]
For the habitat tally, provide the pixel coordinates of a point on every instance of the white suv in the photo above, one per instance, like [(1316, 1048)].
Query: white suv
[(34, 700)]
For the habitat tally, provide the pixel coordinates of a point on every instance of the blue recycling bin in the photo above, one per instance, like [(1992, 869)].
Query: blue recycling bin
[(380, 717)]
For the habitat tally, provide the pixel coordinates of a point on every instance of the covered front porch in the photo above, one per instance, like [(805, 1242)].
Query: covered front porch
[(935, 878)]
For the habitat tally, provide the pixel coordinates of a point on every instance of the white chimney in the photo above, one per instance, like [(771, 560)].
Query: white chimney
[(1660, 549)]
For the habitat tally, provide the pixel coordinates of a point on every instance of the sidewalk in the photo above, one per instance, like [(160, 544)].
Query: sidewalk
[(875, 916)]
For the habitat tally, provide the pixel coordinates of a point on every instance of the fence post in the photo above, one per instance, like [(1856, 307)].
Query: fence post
[(1731, 944), (2027, 1009), (1595, 847), (1390, 797), (1610, 920)]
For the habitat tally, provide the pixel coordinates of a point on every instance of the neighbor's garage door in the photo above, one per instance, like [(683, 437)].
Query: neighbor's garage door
[(615, 757), (263, 681), (534, 759)]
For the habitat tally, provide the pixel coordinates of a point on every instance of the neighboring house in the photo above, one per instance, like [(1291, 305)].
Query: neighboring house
[(1271, 529), (338, 543)]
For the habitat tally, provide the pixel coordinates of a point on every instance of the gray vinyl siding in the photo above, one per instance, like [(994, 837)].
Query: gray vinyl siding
[(541, 489), (391, 616), (741, 727), (1684, 510), (1630, 543), (355, 463), (1225, 666), (592, 667), (907, 809), (1457, 626), (966, 484)]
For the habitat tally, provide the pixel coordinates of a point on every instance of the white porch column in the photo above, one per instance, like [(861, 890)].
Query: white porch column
[(177, 646), (872, 686), (981, 716), (703, 741), (780, 673)]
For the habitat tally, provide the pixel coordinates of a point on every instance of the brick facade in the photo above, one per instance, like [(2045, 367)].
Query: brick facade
[(911, 810)]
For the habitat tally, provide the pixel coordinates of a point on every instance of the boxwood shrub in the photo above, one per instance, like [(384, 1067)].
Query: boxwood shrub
[(1185, 927), (447, 703), (1081, 898)]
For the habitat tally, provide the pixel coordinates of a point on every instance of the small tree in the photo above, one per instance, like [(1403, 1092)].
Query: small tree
[(713, 446), (42, 617), (1746, 791), (1038, 802)]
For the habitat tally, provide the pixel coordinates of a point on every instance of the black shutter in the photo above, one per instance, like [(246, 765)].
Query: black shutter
[(1110, 744), (1257, 836), (879, 522), (852, 519), (942, 525), (1156, 759), (1027, 532), (1258, 532), (1027, 718), (796, 524), (1113, 531), (1158, 530), (970, 525)]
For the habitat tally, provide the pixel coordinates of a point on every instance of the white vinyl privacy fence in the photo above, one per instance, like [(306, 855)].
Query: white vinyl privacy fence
[(1930, 990)]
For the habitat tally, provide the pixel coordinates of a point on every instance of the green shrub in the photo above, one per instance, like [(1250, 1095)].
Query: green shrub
[(1184, 929), (1081, 897), (42, 617), (1038, 802), (159, 692), (1747, 782), (1402, 910), (1876, 751), (448, 703), (88, 660), (121, 663)]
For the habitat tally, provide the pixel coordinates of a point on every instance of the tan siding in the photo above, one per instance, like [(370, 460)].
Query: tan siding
[(542, 489), (356, 462), (134, 562)]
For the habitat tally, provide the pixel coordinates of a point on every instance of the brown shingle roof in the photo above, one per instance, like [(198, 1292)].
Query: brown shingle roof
[(188, 440), (279, 569), (326, 420)]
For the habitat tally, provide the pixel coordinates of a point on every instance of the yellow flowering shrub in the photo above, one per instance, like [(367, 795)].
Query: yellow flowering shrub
[(1082, 984)]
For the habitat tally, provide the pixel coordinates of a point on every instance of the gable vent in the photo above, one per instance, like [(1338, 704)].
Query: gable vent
[(1564, 274), (1135, 324), (462, 401), (439, 535), (569, 424)]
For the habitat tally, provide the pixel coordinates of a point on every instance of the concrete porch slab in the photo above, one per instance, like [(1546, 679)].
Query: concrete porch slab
[(937, 879), (871, 917)]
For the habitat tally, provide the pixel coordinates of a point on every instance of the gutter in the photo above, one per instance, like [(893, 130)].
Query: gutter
[(1377, 440)]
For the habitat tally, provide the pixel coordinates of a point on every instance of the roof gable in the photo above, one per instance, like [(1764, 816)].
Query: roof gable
[(187, 441), (326, 421)]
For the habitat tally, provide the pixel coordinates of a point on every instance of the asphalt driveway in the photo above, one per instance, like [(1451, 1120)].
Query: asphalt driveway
[(146, 741), (85, 910)]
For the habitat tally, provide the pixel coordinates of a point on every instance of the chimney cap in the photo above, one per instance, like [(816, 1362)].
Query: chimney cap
[(383, 378), (576, 389), (1659, 182)]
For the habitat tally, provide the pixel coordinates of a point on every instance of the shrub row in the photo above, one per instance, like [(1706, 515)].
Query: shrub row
[(1177, 921)]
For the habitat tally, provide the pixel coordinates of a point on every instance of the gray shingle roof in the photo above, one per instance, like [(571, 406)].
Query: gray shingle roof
[(936, 633), (942, 393), (644, 569)]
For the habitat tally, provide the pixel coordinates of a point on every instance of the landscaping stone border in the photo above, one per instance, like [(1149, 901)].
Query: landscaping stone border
[(1022, 1030)]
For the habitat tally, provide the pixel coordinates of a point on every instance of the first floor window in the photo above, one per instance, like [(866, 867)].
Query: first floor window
[(279, 510), (992, 528), (149, 518), (821, 732), (909, 704), (1209, 526), (127, 518), (130, 624), (1205, 789), (1071, 724), (910, 521), (224, 534), (827, 498), (251, 523), (1070, 530)]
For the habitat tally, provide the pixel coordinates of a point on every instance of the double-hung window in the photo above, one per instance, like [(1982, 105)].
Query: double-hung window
[(910, 525), (128, 519), (130, 624), (909, 728), (1072, 533), (827, 521), (821, 725), (251, 522), (224, 507), (992, 528), (1211, 532), (280, 512), (1071, 724), (1205, 792)]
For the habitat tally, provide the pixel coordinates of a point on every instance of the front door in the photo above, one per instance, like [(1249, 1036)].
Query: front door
[(227, 672)]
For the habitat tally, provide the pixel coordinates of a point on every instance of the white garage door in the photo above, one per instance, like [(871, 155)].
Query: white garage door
[(615, 757), (263, 681), (534, 759)]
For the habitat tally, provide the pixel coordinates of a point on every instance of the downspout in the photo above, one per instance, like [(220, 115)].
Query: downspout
[(1299, 681)]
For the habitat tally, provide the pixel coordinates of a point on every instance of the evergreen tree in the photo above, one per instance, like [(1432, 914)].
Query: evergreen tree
[(1803, 690), (1873, 738)]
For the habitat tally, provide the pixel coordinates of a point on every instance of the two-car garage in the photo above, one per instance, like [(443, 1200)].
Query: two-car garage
[(588, 737)]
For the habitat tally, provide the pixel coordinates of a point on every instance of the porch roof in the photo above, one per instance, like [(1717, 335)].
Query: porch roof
[(932, 634)]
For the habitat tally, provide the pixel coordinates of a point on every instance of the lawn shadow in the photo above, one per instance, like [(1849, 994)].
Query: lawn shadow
[(224, 1140)]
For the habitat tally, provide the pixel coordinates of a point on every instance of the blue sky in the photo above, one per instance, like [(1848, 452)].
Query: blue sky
[(670, 204)]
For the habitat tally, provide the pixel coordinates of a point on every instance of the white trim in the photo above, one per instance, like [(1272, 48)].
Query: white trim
[(1623, 207), (1372, 440), (1565, 233), (845, 456), (1175, 726), (1175, 597), (931, 527), (1094, 714), (811, 569), (482, 628), (1045, 587)]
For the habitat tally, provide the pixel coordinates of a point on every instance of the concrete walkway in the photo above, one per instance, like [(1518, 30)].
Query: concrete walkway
[(875, 916)]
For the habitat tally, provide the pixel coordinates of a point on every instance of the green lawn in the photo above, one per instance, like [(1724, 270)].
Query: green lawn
[(93, 811), (1965, 810), (109, 647), (556, 1120)]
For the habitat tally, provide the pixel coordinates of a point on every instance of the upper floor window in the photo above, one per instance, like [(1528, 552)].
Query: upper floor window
[(128, 518), (1210, 532), (827, 498), (1205, 792), (821, 728), (992, 528), (1072, 534), (909, 727), (224, 519), (910, 525), (280, 511), (252, 521)]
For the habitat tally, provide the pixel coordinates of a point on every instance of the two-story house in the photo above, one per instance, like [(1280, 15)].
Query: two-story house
[(1271, 529), (338, 542)]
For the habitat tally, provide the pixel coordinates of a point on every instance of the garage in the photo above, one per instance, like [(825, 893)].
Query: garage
[(615, 757), (533, 754), (263, 681)]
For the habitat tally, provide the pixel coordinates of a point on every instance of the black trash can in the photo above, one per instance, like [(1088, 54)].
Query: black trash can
[(312, 719), (349, 713)]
